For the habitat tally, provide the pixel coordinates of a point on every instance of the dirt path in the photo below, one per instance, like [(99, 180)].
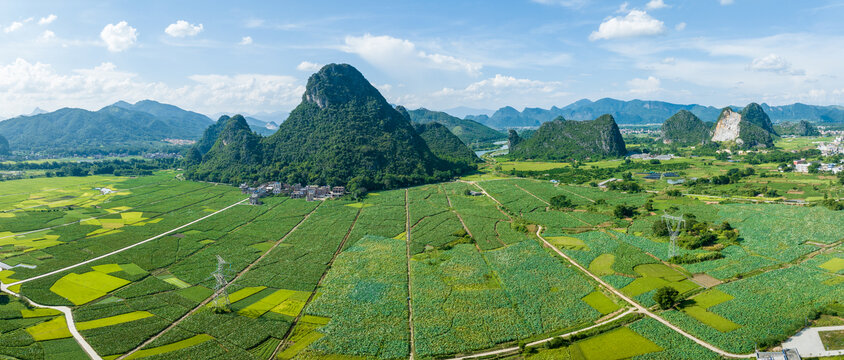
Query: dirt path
[(127, 247), (576, 194), (409, 278), (549, 204), (540, 342), (459, 218), (68, 315), (639, 308), (319, 282), (218, 292)]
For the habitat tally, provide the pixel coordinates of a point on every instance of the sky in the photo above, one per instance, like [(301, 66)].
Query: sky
[(256, 56)]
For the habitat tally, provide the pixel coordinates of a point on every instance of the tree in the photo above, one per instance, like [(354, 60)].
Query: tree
[(666, 297), (624, 211), (649, 205), (659, 228), (560, 202)]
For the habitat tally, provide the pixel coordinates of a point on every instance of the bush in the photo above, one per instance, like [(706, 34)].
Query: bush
[(561, 202), (624, 211), (666, 297)]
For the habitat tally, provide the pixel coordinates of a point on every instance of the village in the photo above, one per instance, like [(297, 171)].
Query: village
[(296, 191)]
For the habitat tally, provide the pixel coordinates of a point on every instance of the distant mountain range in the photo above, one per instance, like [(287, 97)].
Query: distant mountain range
[(468, 131), (116, 127), (638, 112)]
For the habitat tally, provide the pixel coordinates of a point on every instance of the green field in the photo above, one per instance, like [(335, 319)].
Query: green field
[(336, 279)]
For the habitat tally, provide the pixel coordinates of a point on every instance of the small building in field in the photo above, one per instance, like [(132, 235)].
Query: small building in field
[(255, 199), (784, 354)]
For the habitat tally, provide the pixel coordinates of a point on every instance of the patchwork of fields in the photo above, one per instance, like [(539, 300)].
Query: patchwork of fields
[(338, 279)]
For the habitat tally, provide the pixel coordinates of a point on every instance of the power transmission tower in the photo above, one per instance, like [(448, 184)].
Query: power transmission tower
[(221, 276), (674, 225)]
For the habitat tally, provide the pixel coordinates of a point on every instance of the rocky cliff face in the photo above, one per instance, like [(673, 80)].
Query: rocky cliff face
[(727, 128), (750, 127)]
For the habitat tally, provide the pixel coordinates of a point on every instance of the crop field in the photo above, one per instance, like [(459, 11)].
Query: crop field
[(330, 279)]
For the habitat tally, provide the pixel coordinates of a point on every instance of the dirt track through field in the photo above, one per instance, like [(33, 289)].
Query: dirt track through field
[(218, 292), (313, 293), (407, 231)]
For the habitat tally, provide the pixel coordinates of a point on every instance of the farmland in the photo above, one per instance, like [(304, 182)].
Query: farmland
[(340, 277)]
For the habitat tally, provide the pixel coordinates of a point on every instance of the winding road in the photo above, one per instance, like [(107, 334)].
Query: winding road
[(68, 314)]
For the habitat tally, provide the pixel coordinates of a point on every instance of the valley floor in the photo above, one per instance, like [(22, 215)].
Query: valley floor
[(425, 272)]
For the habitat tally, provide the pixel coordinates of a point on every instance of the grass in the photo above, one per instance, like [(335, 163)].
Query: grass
[(196, 293), (832, 340), (834, 265), (84, 288), (621, 343), (267, 303), (599, 301), (711, 298), (27, 313), (642, 285), (245, 293), (172, 280), (660, 271), (567, 242), (57, 327), (602, 265), (714, 320), (192, 341)]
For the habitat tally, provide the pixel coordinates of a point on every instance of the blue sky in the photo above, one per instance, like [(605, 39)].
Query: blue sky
[(252, 56)]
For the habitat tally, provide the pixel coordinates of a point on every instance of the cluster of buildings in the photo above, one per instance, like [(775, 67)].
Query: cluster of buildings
[(652, 157), (832, 148), (296, 191), (802, 166)]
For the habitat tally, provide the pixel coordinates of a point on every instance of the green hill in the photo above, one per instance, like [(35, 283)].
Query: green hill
[(343, 132), (116, 128), (562, 139), (684, 128), (4, 146), (444, 144), (235, 155), (800, 128), (750, 127), (468, 131)]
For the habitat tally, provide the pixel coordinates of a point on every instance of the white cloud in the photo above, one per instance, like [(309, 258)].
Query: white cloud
[(635, 23), (774, 63), (656, 4), (308, 66), (502, 89), (726, 2), (402, 55), (647, 86), (119, 37), (183, 28), (25, 85), (246, 40), (47, 20), (680, 27), (47, 35), (14, 26)]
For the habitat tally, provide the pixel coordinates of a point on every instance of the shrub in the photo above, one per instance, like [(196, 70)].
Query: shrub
[(666, 297)]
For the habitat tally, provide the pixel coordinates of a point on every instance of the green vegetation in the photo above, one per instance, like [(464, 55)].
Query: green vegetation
[(118, 128), (469, 131), (445, 145), (343, 132), (620, 343), (571, 140), (684, 128), (666, 297)]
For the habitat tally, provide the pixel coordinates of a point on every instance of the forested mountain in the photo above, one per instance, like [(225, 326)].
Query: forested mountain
[(468, 131), (192, 123), (684, 128), (343, 132), (637, 112), (750, 127), (112, 128), (800, 128), (444, 144), (260, 126), (4, 146), (562, 139)]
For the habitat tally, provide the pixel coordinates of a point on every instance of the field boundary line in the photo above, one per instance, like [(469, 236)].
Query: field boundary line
[(319, 282), (103, 256), (639, 308), (218, 292), (93, 217), (549, 205), (539, 342), (408, 229)]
